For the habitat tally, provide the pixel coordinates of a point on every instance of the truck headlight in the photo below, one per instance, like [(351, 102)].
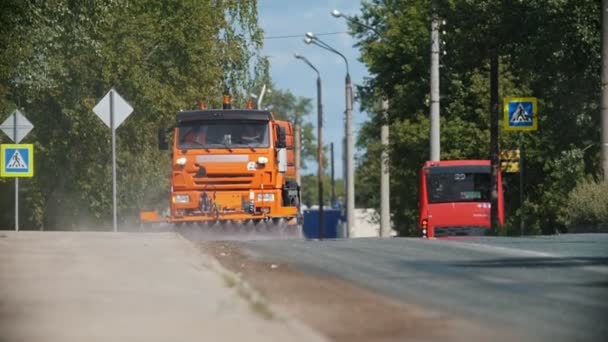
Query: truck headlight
[(181, 199), (269, 197), (181, 161), (262, 160)]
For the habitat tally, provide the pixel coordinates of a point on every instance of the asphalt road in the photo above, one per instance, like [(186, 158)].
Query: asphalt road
[(543, 288)]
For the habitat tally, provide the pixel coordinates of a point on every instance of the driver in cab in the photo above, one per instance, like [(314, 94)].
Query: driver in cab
[(251, 135), (195, 137)]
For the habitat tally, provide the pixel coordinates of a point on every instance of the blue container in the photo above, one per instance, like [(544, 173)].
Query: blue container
[(331, 218)]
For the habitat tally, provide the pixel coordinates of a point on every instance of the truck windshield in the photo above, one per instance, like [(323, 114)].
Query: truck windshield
[(458, 186), (222, 134)]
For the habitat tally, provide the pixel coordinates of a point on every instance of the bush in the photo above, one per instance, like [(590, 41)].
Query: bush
[(587, 207)]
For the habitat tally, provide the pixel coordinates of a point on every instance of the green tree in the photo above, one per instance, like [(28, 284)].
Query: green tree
[(59, 57), (310, 190), (561, 36)]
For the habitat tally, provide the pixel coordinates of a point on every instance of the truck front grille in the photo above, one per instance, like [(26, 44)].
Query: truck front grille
[(234, 180)]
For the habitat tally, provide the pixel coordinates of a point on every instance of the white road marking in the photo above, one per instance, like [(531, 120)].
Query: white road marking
[(478, 247)]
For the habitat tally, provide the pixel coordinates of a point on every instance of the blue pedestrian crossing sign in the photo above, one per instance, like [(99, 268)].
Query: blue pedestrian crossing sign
[(17, 160), (520, 113)]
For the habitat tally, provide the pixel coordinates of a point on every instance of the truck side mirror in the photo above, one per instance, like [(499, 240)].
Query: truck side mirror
[(163, 145), (282, 159), (281, 137)]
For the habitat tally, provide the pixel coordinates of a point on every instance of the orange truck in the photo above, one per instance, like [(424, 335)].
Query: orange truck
[(230, 165)]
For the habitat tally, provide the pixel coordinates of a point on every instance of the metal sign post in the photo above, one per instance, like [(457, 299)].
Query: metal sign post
[(16, 133), (522, 222), (521, 114), (112, 128), (112, 109), (15, 121)]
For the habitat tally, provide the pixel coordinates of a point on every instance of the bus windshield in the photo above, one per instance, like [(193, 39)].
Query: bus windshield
[(459, 184), (223, 134)]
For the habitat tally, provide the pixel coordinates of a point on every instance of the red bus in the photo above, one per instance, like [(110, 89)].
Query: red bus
[(455, 198)]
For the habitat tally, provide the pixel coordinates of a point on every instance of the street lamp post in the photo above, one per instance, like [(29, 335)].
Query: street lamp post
[(604, 98), (310, 38), (320, 141), (384, 140), (434, 141), (338, 14)]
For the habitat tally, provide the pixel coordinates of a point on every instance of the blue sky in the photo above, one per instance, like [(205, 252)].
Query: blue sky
[(292, 17)]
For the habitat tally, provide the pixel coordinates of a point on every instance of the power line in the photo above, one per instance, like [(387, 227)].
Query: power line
[(302, 35)]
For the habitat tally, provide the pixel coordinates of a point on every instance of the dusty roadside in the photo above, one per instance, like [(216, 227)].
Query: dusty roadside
[(86, 286), (338, 309)]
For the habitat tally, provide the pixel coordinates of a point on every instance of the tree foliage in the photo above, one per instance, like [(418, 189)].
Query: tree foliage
[(310, 191), (548, 49), (587, 207), (59, 57)]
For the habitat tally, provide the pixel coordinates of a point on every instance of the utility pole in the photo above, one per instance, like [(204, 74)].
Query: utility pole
[(385, 219), (344, 172), (320, 141), (333, 180), (297, 147), (350, 156), (494, 115), (604, 105), (384, 186), (310, 38), (320, 154), (434, 117)]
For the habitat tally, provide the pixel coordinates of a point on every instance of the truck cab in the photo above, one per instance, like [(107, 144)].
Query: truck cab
[(232, 165)]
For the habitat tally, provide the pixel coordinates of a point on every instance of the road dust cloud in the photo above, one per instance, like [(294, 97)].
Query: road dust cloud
[(226, 231)]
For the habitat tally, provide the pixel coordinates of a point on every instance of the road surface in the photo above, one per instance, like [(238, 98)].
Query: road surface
[(85, 286), (543, 288)]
